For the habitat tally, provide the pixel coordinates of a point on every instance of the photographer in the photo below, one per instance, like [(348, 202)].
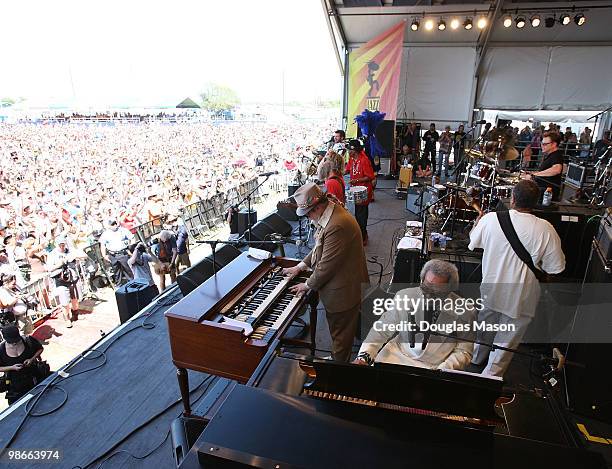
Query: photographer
[(19, 363), (139, 263), (62, 267), (14, 308)]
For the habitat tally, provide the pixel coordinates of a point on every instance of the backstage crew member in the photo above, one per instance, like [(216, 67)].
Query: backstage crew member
[(338, 264), (423, 167), (431, 138), (361, 173), (113, 246), (61, 264), (551, 167), (439, 281), (509, 288), (17, 361)]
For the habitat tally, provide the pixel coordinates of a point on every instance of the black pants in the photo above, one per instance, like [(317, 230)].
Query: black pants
[(361, 214), (430, 153)]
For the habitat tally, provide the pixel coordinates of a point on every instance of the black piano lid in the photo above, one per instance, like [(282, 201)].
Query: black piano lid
[(437, 390), (259, 428)]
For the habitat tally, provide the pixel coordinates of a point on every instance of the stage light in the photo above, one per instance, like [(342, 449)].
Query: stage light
[(415, 25), (564, 19), (429, 25), (535, 21), (454, 23), (520, 22), (482, 23), (579, 19), (441, 25), (467, 24), (507, 22), (550, 21)]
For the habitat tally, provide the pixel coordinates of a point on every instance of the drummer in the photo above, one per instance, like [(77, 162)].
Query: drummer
[(551, 167), (361, 173)]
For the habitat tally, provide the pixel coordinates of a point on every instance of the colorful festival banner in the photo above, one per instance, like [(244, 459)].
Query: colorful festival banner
[(374, 73)]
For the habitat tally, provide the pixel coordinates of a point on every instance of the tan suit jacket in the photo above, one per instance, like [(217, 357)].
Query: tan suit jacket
[(338, 263)]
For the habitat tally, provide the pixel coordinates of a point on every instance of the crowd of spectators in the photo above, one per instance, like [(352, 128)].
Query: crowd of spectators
[(66, 181)]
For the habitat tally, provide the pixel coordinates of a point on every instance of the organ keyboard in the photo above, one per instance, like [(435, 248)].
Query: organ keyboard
[(227, 324)]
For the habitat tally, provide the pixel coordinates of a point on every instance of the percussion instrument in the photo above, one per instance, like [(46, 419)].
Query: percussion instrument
[(358, 195), (481, 171), (502, 192)]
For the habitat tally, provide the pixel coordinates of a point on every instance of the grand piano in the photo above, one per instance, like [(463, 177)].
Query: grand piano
[(298, 411)]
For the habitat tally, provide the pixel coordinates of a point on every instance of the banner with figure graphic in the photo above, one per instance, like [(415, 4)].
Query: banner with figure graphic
[(374, 73)]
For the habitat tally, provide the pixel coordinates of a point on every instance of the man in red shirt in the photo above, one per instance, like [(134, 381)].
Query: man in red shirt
[(361, 174)]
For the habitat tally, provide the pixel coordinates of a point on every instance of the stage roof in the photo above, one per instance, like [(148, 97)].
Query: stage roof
[(358, 21)]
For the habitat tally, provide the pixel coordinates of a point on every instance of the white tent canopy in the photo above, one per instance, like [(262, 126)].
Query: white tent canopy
[(447, 74)]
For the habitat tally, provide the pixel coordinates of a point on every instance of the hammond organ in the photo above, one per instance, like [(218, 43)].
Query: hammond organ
[(226, 325)]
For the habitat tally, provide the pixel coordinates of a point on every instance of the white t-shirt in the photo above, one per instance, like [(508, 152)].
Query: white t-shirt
[(508, 286)]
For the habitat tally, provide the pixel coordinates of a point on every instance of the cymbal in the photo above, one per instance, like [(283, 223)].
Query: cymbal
[(474, 153), (509, 153)]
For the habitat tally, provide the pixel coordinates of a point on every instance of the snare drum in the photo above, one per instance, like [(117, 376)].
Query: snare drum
[(358, 195), (502, 192), (481, 171)]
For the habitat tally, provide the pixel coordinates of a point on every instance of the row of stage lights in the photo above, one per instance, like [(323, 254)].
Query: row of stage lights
[(520, 21), (549, 21)]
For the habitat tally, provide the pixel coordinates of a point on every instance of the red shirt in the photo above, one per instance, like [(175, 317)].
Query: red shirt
[(359, 168), (335, 186)]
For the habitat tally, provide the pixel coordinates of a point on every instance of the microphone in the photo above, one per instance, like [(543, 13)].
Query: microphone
[(269, 173), (284, 239)]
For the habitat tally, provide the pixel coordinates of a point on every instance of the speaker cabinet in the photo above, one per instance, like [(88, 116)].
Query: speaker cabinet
[(225, 254), (277, 224), (385, 134), (134, 296), (243, 219), (194, 276), (261, 232)]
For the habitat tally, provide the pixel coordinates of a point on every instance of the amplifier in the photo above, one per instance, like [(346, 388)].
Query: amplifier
[(414, 200), (576, 174)]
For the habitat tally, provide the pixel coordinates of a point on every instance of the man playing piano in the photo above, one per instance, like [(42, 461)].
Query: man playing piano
[(338, 264), (439, 280)]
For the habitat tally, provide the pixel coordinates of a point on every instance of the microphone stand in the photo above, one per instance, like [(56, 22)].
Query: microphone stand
[(457, 167), (248, 199), (423, 214)]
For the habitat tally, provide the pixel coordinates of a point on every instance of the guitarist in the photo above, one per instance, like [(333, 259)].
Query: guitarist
[(519, 248)]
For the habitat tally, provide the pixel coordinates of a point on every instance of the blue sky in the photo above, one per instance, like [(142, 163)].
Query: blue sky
[(151, 52)]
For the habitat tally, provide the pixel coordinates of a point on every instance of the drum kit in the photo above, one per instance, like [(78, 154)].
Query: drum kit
[(482, 184)]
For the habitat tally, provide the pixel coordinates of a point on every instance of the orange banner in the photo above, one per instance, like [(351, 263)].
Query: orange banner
[(374, 73)]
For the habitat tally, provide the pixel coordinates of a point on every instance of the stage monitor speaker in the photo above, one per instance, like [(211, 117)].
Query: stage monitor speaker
[(604, 236), (243, 219), (291, 188), (194, 276), (385, 134), (261, 232), (134, 296), (276, 223), (225, 254), (286, 211)]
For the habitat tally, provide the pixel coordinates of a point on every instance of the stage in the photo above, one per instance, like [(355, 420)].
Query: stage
[(122, 397)]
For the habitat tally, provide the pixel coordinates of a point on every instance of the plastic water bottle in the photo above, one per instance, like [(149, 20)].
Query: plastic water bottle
[(443, 240), (547, 199)]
